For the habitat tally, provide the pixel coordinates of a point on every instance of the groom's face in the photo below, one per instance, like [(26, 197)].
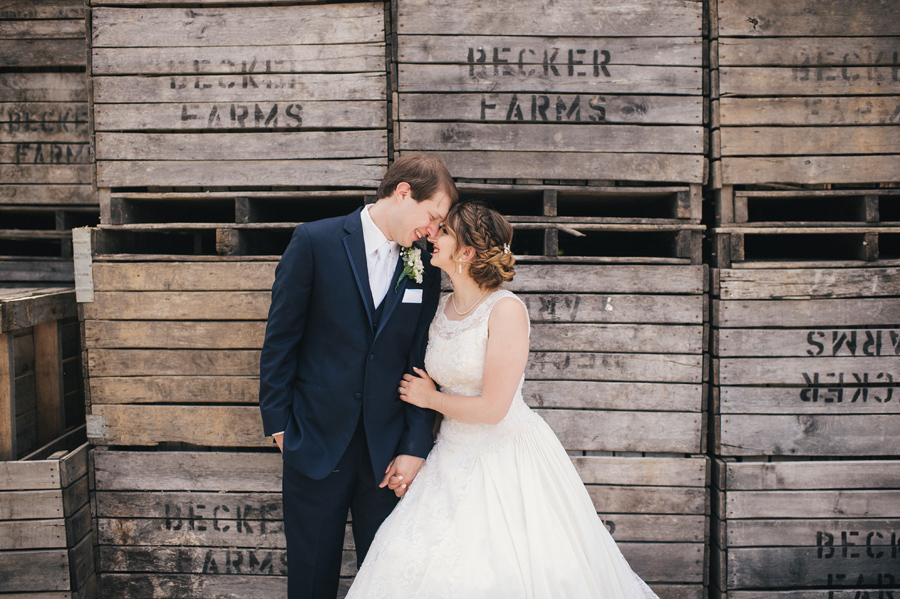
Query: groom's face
[(420, 219)]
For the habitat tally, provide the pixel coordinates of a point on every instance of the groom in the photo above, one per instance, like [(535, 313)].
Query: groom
[(348, 319)]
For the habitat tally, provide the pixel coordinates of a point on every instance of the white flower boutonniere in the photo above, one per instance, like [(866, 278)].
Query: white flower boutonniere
[(412, 265)]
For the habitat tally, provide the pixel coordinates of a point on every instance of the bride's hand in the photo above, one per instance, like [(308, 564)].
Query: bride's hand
[(418, 390)]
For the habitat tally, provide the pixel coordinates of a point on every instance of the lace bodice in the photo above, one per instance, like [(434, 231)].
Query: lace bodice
[(455, 360)]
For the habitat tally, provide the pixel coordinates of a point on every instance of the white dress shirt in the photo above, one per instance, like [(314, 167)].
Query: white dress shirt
[(379, 275)]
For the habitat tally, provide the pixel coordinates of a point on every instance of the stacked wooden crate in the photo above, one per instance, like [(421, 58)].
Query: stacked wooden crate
[(40, 368), (46, 539), (805, 300), (45, 156)]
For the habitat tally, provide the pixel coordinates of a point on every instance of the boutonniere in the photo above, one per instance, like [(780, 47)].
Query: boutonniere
[(412, 265)]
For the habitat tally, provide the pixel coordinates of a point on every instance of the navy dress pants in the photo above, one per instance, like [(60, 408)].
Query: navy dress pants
[(315, 518)]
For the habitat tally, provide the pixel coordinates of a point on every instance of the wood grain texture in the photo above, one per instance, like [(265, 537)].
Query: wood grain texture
[(25, 53), (31, 505), (51, 174), (746, 284), (292, 58), (174, 334), (789, 371), (771, 18), (822, 110), (623, 79), (214, 275), (817, 475), (625, 431), (237, 26), (492, 107), (806, 81), (808, 343), (807, 51), (174, 362), (176, 305), (672, 168), (47, 9), (356, 172), (668, 18), (806, 313), (811, 169), (34, 571), (670, 368), (852, 399), (642, 471), (787, 532), (807, 504), (800, 141), (218, 426), (549, 138), (43, 87), (174, 389), (44, 195)]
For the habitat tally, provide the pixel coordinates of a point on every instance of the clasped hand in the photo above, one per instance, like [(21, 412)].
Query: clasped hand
[(418, 390)]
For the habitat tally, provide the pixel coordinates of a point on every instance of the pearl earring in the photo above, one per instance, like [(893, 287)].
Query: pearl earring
[(459, 267)]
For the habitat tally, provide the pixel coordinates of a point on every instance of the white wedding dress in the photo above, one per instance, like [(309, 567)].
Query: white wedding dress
[(496, 511)]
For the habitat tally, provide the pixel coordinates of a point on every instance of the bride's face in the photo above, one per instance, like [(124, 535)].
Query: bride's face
[(442, 255)]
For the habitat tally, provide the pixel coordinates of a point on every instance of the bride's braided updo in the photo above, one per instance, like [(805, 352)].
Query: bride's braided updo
[(489, 234)]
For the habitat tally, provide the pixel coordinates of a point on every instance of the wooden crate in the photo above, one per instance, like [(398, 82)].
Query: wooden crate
[(173, 345), (239, 96), (804, 92), (805, 361), (40, 368), (194, 525), (810, 530), (46, 536), (553, 90)]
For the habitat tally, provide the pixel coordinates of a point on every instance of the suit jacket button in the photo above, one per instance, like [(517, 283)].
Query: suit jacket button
[(358, 396), (371, 356)]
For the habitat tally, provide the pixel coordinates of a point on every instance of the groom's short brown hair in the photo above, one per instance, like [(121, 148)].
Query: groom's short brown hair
[(426, 175)]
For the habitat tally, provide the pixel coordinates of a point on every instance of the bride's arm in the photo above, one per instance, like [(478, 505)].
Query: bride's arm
[(504, 363)]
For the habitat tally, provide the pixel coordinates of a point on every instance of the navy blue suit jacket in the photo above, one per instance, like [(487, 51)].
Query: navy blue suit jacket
[(322, 363)]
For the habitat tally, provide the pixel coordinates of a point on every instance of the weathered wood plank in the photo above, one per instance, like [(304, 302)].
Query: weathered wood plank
[(238, 26), (818, 475), (241, 146), (32, 534), (47, 9), (860, 370), (70, 195), (649, 500), (643, 471), (664, 110), (807, 504), (37, 306), (811, 434), (34, 571), (806, 313), (36, 114), (672, 368), (626, 431), (293, 58), (193, 586), (190, 532), (356, 172), (187, 471), (24, 475), (218, 426), (31, 505), (145, 362), (811, 169), (190, 510), (617, 338), (186, 276), (43, 87), (662, 309), (807, 51), (295, 113), (807, 342), (806, 81), (667, 18), (789, 532), (595, 395), (176, 305), (771, 18), (174, 334), (515, 52), (833, 593), (809, 400), (673, 168), (53, 174), (24, 53), (799, 141), (549, 138), (745, 284), (855, 110), (618, 279), (264, 87), (624, 79), (181, 389)]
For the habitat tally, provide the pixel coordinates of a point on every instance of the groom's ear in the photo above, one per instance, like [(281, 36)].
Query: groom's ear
[(403, 190)]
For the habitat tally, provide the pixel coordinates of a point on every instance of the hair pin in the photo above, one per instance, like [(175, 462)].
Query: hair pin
[(506, 248)]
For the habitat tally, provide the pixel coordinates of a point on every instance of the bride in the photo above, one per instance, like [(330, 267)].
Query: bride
[(498, 510)]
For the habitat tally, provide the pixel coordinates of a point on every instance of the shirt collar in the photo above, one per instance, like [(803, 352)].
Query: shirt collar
[(372, 235)]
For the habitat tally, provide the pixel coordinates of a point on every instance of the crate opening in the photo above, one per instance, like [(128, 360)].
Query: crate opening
[(812, 247), (176, 210), (38, 248), (299, 210), (185, 243), (850, 208), (889, 246), (507, 202), (619, 206), (619, 244)]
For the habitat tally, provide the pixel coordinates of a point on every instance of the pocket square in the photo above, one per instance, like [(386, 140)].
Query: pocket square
[(412, 296)]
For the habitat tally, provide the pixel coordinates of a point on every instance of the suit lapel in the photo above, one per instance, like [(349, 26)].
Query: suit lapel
[(395, 292), (355, 245)]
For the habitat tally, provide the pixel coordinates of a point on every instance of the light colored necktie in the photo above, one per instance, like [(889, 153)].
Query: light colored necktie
[(381, 281)]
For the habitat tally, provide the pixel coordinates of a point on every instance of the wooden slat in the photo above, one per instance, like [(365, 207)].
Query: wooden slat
[(8, 433), (44, 570), (241, 146), (662, 309), (309, 87), (174, 531), (70, 195), (844, 474), (575, 165), (618, 279), (805, 283), (808, 504), (649, 500), (617, 338), (42, 87), (794, 141), (186, 276), (25, 475), (292, 113), (31, 505), (770, 18), (626, 431), (47, 9), (671, 368), (667, 18), (193, 586), (868, 110), (40, 53), (821, 435), (862, 370), (806, 313), (549, 138), (622, 79), (665, 110), (32, 534), (807, 342), (294, 58), (37, 306), (515, 52), (807, 51), (190, 508), (356, 172), (811, 169), (238, 26), (53, 174), (788, 532), (164, 305), (174, 334), (809, 400), (805, 81), (218, 426), (180, 389), (653, 471), (146, 362)]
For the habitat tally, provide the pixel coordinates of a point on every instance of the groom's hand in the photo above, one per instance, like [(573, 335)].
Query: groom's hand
[(279, 440), (400, 473)]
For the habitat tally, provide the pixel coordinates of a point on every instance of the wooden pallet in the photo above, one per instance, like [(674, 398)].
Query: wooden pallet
[(246, 96), (817, 530), (803, 92), (203, 522), (40, 363), (46, 536), (553, 90), (805, 361)]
